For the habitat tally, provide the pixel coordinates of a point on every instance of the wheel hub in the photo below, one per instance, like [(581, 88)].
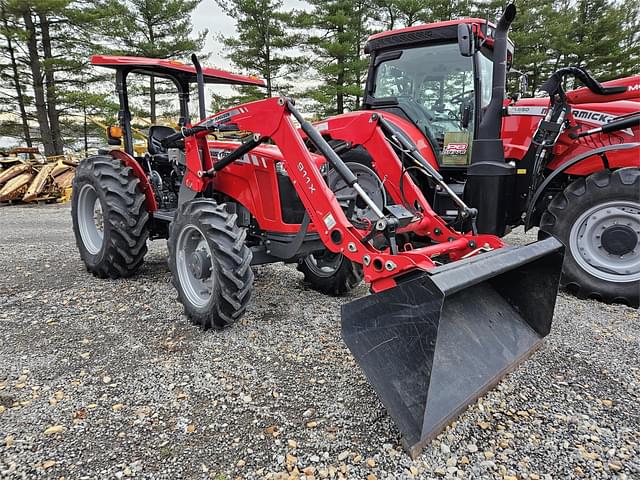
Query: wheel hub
[(368, 181), (619, 239), (193, 264), (604, 241), (200, 264), (323, 264)]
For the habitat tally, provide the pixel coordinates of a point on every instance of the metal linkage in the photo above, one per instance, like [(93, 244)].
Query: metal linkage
[(410, 149), (336, 162), (228, 159)]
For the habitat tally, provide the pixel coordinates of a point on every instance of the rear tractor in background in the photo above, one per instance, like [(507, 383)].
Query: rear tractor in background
[(568, 162)]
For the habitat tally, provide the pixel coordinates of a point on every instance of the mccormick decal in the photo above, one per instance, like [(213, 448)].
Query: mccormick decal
[(597, 118), (455, 149)]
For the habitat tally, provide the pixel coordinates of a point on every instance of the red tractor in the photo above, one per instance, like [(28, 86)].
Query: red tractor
[(452, 310), (568, 163)]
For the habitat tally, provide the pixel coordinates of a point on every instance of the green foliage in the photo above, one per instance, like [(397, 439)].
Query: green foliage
[(262, 45), (51, 41), (244, 94), (336, 31), (155, 29), (598, 34)]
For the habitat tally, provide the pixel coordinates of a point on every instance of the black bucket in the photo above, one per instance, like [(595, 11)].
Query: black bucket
[(433, 344)]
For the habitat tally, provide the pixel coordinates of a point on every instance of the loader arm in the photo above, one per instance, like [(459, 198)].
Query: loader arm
[(271, 119)]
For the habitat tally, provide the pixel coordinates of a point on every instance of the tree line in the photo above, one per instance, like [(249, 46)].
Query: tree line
[(45, 46)]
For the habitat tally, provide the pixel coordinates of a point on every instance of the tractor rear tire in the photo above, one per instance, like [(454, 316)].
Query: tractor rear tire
[(210, 263), (597, 218), (110, 219), (330, 273)]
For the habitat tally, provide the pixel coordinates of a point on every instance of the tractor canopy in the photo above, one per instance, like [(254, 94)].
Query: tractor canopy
[(173, 69), (181, 74)]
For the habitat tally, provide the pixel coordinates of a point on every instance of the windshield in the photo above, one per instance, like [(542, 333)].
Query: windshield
[(434, 88)]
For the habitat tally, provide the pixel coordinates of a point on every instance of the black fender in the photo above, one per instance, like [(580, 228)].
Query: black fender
[(533, 212)]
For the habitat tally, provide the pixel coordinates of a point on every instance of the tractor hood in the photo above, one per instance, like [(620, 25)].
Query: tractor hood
[(584, 95)]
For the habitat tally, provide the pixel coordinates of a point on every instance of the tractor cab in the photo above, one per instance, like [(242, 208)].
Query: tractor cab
[(439, 77)]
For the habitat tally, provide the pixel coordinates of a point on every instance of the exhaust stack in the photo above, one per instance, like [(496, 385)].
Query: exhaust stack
[(490, 181)]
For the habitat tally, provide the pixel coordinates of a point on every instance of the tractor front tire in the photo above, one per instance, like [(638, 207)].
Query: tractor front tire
[(110, 219), (330, 273), (210, 263), (597, 218)]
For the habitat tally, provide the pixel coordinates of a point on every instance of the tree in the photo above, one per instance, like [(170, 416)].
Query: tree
[(336, 30), (406, 13), (51, 38), (9, 33), (599, 35), (263, 43), (157, 29)]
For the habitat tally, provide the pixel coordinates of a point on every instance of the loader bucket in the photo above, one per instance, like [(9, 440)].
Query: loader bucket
[(435, 343)]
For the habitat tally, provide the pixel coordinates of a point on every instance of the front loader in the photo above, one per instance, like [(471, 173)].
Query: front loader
[(444, 321)]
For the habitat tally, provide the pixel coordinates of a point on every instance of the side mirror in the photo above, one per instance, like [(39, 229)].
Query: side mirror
[(523, 85), (114, 135), (465, 39)]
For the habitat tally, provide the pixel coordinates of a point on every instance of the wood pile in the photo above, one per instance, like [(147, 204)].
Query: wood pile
[(36, 181)]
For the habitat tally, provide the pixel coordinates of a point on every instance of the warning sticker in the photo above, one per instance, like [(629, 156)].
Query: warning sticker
[(329, 221)]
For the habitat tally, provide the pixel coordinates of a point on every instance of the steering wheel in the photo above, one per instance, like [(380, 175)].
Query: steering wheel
[(461, 96), (427, 114), (422, 119)]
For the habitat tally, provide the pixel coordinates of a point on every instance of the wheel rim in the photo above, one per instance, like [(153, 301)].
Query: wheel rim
[(605, 241), (368, 181), (323, 264), (90, 219), (194, 266)]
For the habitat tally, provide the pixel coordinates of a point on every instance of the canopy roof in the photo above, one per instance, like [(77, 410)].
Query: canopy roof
[(173, 69)]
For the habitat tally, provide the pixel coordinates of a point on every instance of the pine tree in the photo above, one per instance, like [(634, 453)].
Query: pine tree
[(11, 72), (263, 44), (156, 29), (53, 41), (338, 29)]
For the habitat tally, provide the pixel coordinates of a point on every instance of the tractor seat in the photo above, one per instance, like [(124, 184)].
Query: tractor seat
[(156, 134)]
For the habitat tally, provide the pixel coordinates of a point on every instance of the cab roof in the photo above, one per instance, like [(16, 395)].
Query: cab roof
[(430, 32), (172, 69), (427, 26)]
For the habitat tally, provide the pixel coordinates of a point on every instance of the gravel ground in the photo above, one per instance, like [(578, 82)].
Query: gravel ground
[(104, 379)]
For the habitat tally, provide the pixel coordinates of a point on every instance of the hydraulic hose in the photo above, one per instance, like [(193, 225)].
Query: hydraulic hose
[(554, 83)]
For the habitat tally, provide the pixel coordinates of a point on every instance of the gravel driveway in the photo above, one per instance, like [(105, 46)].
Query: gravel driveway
[(107, 379)]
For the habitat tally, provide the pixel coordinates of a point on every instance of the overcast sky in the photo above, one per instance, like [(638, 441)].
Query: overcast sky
[(208, 15)]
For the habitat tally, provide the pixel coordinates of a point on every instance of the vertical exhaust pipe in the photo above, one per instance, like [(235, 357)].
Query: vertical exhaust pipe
[(491, 123), (200, 81), (490, 181)]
